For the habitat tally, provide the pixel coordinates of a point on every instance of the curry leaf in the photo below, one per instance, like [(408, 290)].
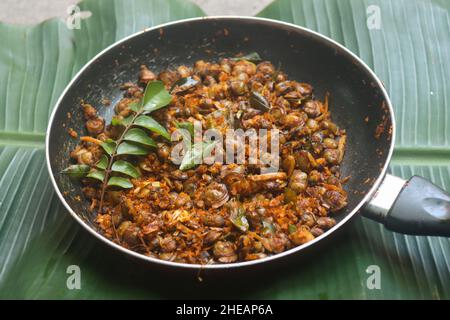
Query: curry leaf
[(116, 121), (189, 160), (252, 57), (155, 96), (120, 121), (239, 219), (125, 168), (96, 174), (150, 124), (292, 228), (77, 170), (139, 136), (258, 101), (268, 227), (102, 163), (109, 146), (131, 148), (120, 182), (135, 106), (183, 84)]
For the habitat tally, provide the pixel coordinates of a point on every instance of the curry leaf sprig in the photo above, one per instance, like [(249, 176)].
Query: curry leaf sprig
[(132, 141)]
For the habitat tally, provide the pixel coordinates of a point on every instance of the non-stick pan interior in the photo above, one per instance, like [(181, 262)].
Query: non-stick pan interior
[(356, 102)]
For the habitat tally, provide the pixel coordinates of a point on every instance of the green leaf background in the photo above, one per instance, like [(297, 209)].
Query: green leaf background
[(39, 240)]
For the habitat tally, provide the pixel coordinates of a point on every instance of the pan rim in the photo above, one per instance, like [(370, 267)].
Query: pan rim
[(273, 22)]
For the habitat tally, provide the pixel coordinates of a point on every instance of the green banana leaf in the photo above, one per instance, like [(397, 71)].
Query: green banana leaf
[(39, 240)]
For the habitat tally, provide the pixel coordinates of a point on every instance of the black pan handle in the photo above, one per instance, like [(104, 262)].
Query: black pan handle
[(416, 207)]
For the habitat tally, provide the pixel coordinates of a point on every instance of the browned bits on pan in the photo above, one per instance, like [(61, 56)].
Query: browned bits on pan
[(336, 199), (223, 213), (72, 133), (283, 87)]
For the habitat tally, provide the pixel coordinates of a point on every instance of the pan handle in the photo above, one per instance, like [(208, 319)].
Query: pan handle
[(416, 207)]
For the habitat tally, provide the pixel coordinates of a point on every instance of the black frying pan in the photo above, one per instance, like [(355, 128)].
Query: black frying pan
[(413, 207)]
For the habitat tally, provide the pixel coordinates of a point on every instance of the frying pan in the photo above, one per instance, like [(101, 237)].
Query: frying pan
[(358, 102)]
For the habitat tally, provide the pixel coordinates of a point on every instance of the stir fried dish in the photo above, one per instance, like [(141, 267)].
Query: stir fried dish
[(208, 212)]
